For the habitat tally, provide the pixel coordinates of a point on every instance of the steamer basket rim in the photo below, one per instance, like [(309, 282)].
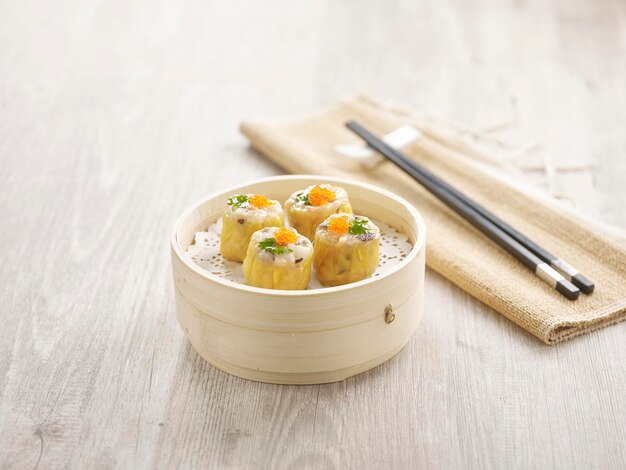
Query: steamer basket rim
[(418, 246)]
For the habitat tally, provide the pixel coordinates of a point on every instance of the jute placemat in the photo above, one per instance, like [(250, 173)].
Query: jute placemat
[(454, 248)]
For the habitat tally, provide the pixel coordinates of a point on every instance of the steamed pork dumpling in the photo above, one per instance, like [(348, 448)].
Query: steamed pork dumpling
[(346, 249), (245, 214), (308, 208), (278, 258)]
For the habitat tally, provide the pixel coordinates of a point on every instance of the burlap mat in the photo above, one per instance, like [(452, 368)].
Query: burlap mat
[(454, 248)]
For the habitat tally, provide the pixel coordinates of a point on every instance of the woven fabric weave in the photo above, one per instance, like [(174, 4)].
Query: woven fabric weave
[(455, 249)]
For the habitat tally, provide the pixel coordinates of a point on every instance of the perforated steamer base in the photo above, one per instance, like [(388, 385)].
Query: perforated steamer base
[(394, 247)]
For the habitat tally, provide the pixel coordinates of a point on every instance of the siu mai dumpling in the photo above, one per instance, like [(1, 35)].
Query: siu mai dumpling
[(278, 258), (308, 208), (245, 214), (346, 249)]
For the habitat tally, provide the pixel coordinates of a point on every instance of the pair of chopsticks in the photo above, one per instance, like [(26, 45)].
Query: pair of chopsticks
[(563, 277)]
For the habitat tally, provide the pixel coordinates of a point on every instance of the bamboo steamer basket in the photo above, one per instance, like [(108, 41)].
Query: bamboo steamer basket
[(308, 336)]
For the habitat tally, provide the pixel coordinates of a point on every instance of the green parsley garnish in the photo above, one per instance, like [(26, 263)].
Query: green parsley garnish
[(359, 226), (269, 245), (301, 197), (238, 200)]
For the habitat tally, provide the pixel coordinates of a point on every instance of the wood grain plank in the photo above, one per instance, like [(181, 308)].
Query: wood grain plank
[(115, 116)]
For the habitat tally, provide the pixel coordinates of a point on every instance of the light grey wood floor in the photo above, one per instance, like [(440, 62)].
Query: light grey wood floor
[(116, 115)]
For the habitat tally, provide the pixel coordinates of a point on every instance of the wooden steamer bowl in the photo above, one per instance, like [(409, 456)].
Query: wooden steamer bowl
[(308, 336)]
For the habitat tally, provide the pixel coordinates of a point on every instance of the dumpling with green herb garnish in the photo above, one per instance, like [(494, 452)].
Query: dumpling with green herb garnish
[(346, 249), (308, 208), (278, 258), (245, 214)]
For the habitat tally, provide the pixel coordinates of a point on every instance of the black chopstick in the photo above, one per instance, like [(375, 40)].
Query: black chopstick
[(570, 273), (485, 225)]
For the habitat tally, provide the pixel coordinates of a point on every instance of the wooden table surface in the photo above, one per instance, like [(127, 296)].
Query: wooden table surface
[(116, 115)]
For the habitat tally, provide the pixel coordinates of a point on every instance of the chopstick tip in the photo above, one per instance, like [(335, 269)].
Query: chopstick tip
[(585, 285), (569, 290)]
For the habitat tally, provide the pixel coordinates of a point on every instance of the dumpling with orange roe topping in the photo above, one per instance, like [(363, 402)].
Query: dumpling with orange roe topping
[(278, 258), (308, 208), (346, 249), (245, 214)]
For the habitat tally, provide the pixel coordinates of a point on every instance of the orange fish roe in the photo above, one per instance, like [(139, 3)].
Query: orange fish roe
[(339, 225), (259, 201), (319, 196), (284, 236)]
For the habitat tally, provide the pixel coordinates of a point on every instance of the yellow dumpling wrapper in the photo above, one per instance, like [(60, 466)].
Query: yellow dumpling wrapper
[(308, 208), (278, 266), (346, 249), (246, 214)]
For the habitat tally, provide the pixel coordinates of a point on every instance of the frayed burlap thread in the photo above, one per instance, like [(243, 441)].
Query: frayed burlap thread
[(454, 248)]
